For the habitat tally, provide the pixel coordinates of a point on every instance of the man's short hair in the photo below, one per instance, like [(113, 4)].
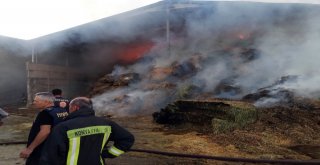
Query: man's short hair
[(56, 91), (45, 96), (81, 102)]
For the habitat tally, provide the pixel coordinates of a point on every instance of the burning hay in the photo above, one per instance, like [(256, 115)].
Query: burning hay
[(109, 82), (277, 95), (215, 50), (261, 58)]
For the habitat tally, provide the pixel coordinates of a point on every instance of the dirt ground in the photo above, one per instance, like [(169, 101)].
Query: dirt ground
[(278, 134)]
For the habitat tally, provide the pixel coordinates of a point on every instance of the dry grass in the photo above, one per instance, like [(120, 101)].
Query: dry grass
[(277, 134)]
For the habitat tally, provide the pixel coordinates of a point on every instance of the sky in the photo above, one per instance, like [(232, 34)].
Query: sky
[(28, 19)]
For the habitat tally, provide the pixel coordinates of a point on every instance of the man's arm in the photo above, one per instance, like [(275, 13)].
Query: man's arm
[(41, 136), (123, 141)]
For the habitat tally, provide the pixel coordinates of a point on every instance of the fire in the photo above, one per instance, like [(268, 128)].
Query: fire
[(160, 73), (241, 36), (134, 51)]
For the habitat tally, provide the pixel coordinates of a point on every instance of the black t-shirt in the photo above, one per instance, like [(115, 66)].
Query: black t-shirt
[(43, 118)]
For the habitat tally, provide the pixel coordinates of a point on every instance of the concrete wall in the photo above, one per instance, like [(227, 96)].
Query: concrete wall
[(44, 78)]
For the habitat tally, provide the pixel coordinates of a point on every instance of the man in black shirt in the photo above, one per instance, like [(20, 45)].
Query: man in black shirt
[(41, 126)]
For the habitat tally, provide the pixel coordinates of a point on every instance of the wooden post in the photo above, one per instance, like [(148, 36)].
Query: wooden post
[(29, 93)]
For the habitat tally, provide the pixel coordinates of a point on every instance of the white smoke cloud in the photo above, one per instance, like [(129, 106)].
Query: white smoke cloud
[(129, 101), (285, 39), (294, 51)]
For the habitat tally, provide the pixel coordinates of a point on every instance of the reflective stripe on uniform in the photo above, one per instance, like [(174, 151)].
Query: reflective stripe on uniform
[(88, 131), (115, 151), (73, 153), (75, 135), (105, 138)]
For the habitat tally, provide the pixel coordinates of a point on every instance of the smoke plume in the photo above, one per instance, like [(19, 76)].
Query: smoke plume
[(229, 50)]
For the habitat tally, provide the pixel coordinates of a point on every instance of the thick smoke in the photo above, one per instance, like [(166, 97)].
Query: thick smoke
[(291, 49), (92, 48), (235, 49), (285, 37), (126, 102), (13, 54)]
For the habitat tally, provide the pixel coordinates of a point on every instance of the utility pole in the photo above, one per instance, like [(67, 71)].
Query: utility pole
[(168, 6), (32, 53)]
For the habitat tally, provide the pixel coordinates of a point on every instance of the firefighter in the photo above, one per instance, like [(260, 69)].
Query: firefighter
[(82, 139), (48, 116), (59, 100)]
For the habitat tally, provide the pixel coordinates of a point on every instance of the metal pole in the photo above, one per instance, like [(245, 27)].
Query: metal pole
[(36, 57), (32, 53), (168, 4)]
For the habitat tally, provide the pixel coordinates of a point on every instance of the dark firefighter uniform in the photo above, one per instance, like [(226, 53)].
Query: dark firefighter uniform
[(49, 116), (82, 139), (58, 114), (58, 100)]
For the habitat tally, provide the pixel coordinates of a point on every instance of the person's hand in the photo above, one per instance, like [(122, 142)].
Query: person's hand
[(25, 153)]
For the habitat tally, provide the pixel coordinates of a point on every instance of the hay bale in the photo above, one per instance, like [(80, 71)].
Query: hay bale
[(240, 119), (217, 116), (222, 126)]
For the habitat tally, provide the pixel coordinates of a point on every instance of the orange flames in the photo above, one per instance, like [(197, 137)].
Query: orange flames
[(241, 36), (160, 73), (134, 51)]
